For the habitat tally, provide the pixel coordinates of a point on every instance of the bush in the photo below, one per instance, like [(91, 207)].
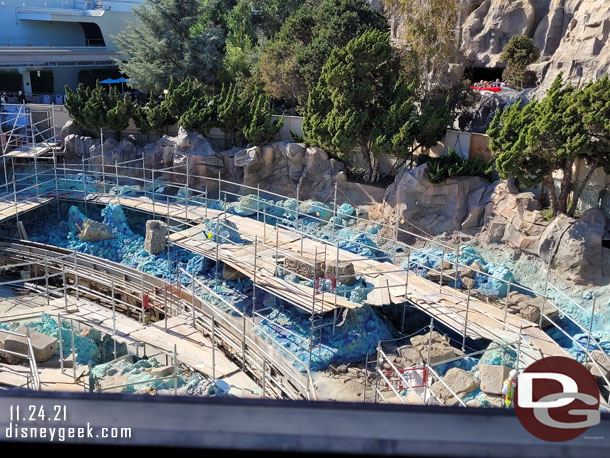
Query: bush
[(453, 165)]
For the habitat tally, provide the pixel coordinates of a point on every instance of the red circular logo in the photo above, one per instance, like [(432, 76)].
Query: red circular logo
[(557, 399)]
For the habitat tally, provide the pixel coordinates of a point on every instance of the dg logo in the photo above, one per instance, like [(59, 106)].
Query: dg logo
[(557, 399)]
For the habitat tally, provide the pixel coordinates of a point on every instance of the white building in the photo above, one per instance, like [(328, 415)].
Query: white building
[(52, 40)]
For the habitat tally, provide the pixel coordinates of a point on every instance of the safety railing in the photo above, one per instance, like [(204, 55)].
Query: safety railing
[(33, 381), (78, 272), (150, 186)]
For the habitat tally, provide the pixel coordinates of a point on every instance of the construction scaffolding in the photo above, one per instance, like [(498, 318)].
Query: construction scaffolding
[(274, 245)]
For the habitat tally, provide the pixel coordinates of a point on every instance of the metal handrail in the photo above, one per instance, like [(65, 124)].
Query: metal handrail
[(170, 170)]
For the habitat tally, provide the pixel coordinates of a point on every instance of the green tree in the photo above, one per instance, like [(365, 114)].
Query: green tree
[(181, 97), (290, 65), (346, 109), (592, 106), (397, 130), (240, 56), (232, 112), (508, 133), (200, 115), (428, 39), (120, 111), (531, 143), (169, 40), (75, 103), (96, 109), (519, 53), (261, 129)]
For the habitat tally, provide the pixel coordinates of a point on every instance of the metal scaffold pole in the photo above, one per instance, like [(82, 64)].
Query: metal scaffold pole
[(254, 278), (116, 173), (213, 349), (46, 280), (61, 344), (56, 184), (590, 329), (175, 369), (466, 320), (404, 306), (113, 318)]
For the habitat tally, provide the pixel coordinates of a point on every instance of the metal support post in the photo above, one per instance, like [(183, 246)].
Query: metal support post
[(377, 372), (165, 305), (258, 201), (427, 363), (113, 317), (61, 344), (103, 176), (505, 305), (404, 307), (85, 187), (116, 173), (153, 192), (175, 369), (264, 377), (217, 247), (193, 298), (590, 329), (73, 351), (15, 191), (213, 348), (76, 276), (440, 283), (519, 346), (56, 184), (296, 217), (219, 188), (142, 311), (63, 273), (457, 263), (466, 321), (366, 377), (334, 212), (186, 192), (243, 340), (254, 278), (46, 279)]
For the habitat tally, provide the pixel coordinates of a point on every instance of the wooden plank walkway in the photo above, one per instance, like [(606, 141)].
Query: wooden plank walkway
[(8, 208), (447, 305), (193, 348), (29, 152)]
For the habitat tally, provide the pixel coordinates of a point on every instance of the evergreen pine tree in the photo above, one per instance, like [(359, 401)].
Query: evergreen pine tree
[(261, 129), (75, 102)]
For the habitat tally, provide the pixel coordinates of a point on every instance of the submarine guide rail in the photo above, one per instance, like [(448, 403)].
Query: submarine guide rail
[(82, 272)]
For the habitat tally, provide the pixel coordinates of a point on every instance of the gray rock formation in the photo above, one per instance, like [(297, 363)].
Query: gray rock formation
[(44, 346), (438, 347), (437, 208), (573, 246), (492, 378), (459, 381), (156, 236), (94, 231), (282, 166), (514, 218), (478, 117), (279, 167), (572, 35), (580, 256)]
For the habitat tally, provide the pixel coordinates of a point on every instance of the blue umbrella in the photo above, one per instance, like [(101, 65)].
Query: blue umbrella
[(109, 81)]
